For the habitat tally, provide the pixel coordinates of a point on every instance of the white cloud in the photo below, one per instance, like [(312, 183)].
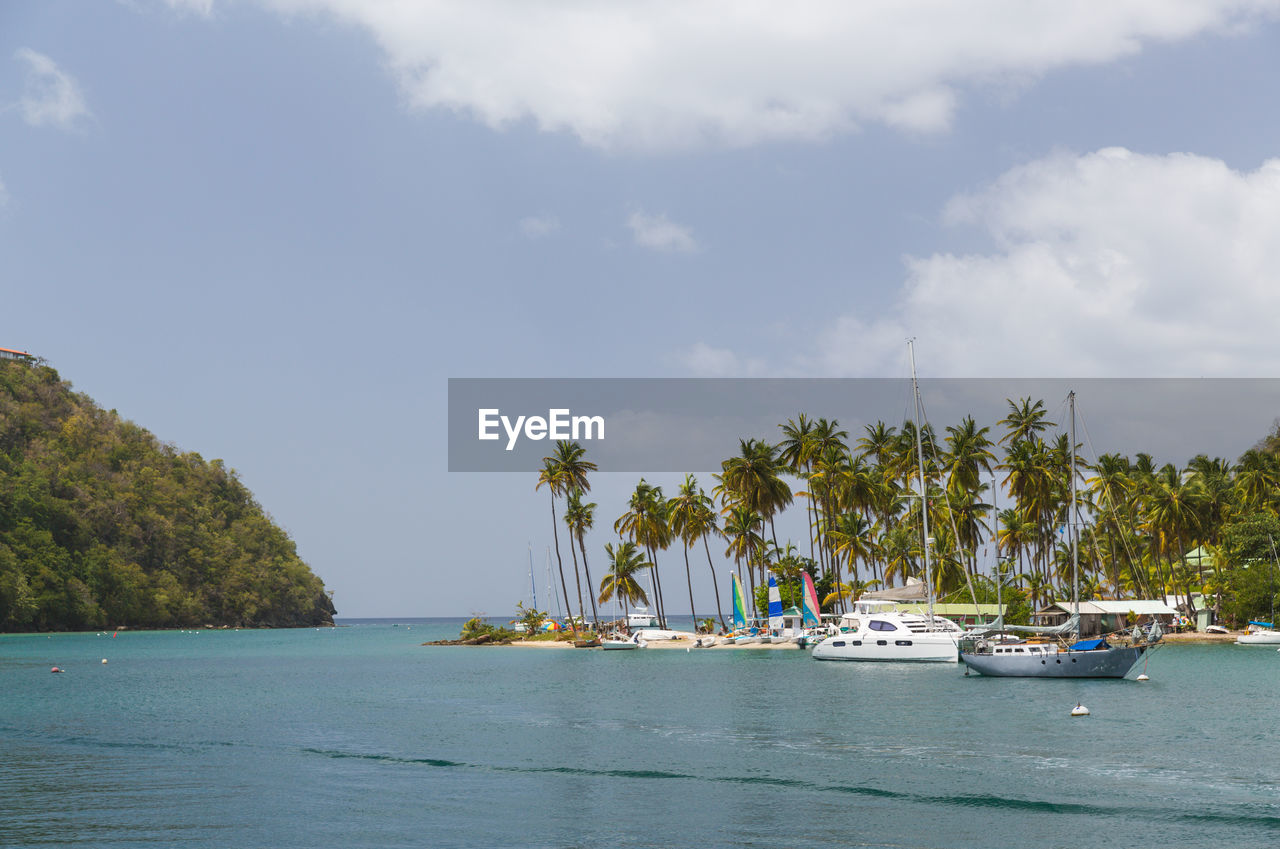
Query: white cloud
[(705, 361), (661, 74), (204, 8), (1107, 264), (657, 233), (50, 97), (539, 226)]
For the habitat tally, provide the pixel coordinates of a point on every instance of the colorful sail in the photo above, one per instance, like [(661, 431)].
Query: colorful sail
[(809, 601), (775, 603), (739, 603)]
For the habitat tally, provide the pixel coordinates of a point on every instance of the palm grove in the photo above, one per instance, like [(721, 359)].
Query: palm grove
[(1145, 531)]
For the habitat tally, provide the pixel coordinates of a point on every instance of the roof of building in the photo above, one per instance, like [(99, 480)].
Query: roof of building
[(16, 351), (966, 609), (1138, 606)]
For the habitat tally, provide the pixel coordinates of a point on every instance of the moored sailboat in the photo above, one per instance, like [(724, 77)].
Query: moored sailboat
[(743, 632), (1045, 657)]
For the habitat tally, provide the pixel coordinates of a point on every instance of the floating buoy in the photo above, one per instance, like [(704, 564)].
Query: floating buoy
[(104, 660), (55, 669), (1079, 710), (1143, 677)]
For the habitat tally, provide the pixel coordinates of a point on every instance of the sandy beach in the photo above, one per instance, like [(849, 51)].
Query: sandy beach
[(1186, 637), (660, 644)]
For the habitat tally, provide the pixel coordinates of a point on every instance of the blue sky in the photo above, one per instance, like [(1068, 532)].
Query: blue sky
[(270, 230)]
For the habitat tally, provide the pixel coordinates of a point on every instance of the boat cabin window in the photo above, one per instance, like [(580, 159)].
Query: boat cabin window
[(878, 625)]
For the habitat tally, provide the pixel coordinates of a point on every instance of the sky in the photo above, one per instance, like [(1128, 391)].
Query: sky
[(270, 231)]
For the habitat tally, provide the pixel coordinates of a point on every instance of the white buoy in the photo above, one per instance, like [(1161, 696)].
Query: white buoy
[(104, 660), (1079, 710), (1143, 677)]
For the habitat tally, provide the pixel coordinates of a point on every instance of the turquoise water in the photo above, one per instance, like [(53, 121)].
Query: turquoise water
[(359, 736)]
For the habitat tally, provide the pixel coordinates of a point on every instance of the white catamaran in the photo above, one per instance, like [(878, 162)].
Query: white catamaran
[(877, 630)]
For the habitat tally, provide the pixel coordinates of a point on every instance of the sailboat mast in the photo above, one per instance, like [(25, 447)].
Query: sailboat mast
[(1071, 513), (995, 511), (533, 585), (1273, 582), (551, 587), (924, 506)]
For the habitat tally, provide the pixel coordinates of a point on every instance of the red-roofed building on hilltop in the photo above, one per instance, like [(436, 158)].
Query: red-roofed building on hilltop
[(21, 356)]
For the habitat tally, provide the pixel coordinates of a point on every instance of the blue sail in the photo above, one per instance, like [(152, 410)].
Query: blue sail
[(775, 603)]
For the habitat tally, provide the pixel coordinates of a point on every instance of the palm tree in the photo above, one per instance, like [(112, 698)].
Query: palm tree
[(797, 452), (878, 443), (901, 547), (1110, 489), (1024, 421), (580, 517), (968, 456), (832, 453), (685, 520), (742, 528), (1038, 588), (753, 478), (646, 523), (1173, 516), (625, 562), (563, 472), (851, 540), (849, 590), (1257, 481), (1015, 534), (551, 476)]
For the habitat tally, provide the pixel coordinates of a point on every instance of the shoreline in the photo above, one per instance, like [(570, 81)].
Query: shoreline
[(1188, 638), (654, 644)]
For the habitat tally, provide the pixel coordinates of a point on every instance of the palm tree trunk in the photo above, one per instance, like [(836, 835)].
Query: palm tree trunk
[(577, 580), (688, 575), (808, 514), (657, 588), (595, 616), (714, 583), (555, 533)]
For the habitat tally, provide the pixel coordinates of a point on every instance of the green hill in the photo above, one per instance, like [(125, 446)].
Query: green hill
[(103, 526)]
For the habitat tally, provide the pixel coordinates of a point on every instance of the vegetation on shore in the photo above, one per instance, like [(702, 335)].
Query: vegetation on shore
[(1144, 531), (102, 525)]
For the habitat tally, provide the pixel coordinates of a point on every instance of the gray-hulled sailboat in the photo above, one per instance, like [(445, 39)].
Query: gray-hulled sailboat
[(1071, 658)]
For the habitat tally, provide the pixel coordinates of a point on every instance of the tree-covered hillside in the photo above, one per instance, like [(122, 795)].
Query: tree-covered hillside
[(102, 525)]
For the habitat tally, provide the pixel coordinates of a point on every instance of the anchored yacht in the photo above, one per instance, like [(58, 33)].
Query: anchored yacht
[(878, 630)]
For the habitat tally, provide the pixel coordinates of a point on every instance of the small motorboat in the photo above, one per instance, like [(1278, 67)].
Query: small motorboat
[(617, 643)]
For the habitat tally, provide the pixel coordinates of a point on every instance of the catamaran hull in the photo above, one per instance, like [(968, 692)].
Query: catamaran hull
[(1260, 638), (1108, 663), (912, 648)]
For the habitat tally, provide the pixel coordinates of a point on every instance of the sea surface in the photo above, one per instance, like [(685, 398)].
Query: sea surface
[(359, 736)]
